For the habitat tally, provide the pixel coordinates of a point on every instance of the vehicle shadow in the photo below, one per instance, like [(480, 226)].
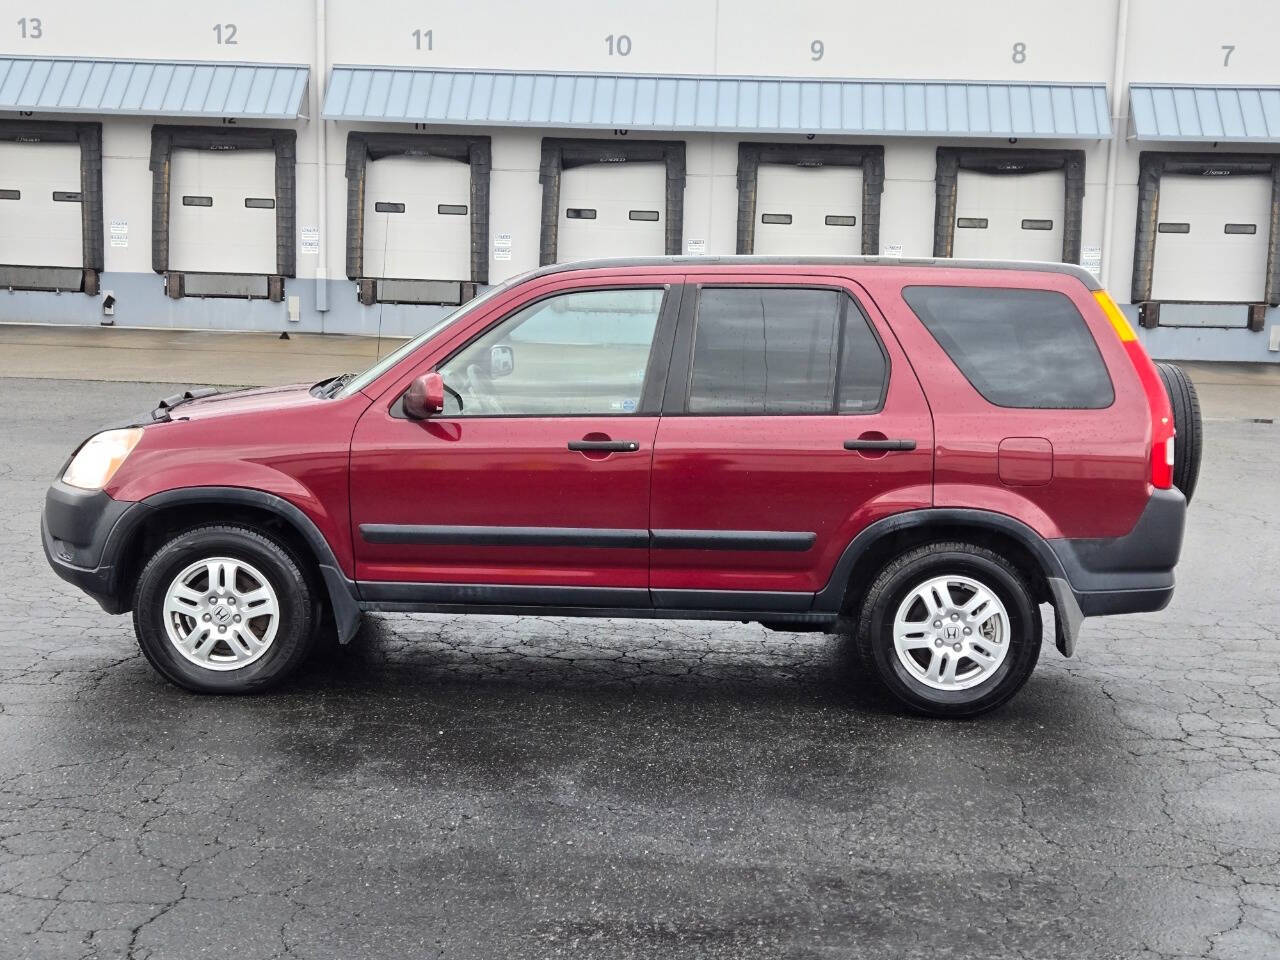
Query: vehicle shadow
[(670, 658)]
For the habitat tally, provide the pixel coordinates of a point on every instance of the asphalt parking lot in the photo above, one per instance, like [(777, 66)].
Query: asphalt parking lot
[(538, 788)]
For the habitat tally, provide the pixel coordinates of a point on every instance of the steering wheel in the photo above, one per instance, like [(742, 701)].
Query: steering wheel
[(478, 387)]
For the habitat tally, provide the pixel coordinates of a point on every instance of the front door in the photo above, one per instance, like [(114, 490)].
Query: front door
[(533, 486), (792, 421)]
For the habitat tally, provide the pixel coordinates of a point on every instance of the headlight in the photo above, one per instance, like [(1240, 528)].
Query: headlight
[(99, 459)]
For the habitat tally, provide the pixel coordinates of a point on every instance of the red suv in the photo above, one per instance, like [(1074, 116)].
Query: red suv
[(919, 453)]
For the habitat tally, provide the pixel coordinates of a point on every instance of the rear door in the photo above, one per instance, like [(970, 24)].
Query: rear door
[(771, 453)]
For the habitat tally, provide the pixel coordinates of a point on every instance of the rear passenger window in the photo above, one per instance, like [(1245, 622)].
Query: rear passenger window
[(1019, 348), (784, 351), (863, 367)]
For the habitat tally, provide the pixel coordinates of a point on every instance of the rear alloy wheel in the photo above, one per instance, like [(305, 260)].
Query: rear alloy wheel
[(951, 633), (950, 629), (224, 609)]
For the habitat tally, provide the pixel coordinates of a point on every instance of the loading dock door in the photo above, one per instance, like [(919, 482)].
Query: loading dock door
[(613, 210), (222, 216), (1211, 239), (40, 217), (808, 211), (1016, 216), (417, 218)]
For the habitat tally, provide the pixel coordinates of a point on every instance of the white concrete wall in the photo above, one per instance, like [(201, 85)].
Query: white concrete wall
[(1174, 41)]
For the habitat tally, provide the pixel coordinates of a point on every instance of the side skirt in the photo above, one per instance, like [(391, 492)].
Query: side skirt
[(557, 601), (637, 613)]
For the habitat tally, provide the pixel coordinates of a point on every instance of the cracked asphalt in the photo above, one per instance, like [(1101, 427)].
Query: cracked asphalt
[(472, 788)]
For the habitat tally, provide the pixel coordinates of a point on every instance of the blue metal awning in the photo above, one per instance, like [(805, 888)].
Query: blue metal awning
[(718, 104), (154, 88), (1230, 114)]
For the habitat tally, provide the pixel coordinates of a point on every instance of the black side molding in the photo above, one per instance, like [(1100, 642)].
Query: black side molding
[(486, 594), (775, 540), (419, 534), (439, 535)]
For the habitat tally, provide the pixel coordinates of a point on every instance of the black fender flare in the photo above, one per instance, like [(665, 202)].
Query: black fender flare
[(830, 598), (343, 596)]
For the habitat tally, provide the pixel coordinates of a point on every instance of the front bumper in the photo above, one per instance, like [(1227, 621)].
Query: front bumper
[(81, 533)]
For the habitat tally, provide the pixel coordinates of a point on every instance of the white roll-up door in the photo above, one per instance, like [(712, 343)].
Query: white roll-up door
[(612, 210), (808, 211), (40, 217), (222, 216), (1211, 239), (1014, 216), (417, 218)]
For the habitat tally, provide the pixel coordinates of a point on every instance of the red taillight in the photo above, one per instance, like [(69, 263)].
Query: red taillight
[(1162, 431)]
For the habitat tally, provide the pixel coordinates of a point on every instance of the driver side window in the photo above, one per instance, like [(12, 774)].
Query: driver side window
[(583, 352)]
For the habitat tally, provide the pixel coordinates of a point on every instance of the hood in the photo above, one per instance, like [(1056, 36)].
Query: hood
[(252, 400)]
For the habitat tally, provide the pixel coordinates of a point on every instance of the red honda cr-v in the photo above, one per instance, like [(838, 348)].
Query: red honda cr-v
[(919, 453)]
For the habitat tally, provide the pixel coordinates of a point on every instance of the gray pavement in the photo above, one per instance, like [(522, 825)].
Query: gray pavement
[(490, 787), (225, 358)]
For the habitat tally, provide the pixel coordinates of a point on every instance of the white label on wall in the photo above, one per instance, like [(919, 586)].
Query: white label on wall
[(119, 233), (695, 248), (893, 249), (310, 239), (1091, 259), (504, 254), (501, 240)]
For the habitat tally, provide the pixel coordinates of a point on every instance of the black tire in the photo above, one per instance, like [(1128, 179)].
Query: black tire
[(873, 639), (1186, 420), (298, 610)]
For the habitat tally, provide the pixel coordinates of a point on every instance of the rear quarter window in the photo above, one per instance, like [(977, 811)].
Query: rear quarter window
[(1018, 348)]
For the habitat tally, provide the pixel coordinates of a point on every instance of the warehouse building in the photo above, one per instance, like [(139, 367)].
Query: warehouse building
[(327, 165)]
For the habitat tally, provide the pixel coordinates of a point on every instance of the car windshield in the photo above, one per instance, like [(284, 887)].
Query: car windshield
[(362, 380)]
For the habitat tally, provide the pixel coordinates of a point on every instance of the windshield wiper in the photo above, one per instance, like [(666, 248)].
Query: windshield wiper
[(328, 388), (164, 410)]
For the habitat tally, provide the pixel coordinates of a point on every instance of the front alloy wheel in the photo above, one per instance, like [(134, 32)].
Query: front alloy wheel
[(225, 609), (221, 613)]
